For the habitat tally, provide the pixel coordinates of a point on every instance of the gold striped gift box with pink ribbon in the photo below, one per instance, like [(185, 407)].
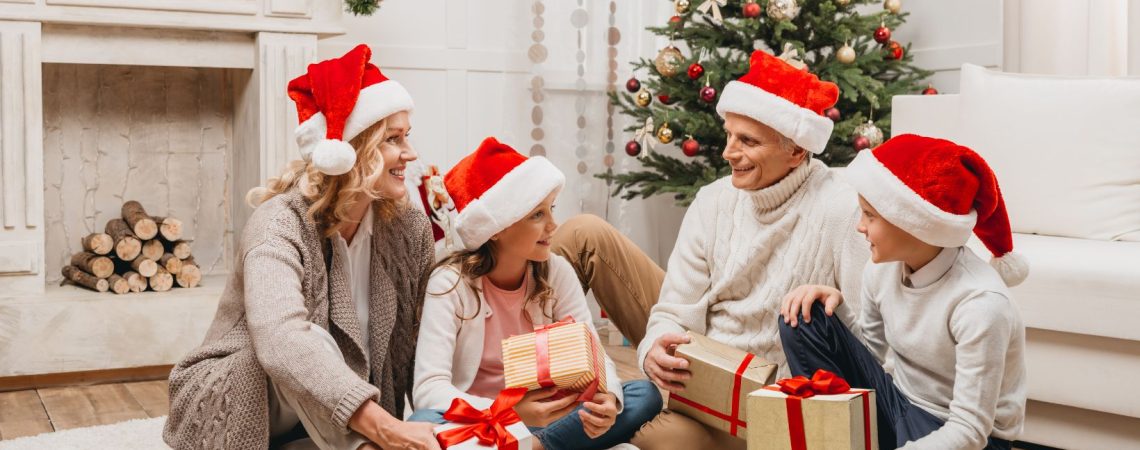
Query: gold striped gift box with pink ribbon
[(564, 354)]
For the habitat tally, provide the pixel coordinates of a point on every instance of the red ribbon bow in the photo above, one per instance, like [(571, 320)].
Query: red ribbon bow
[(489, 425), (542, 358), (821, 382)]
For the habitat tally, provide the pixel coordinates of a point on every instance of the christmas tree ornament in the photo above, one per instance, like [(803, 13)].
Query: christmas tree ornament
[(894, 51), (714, 6), (643, 98), (708, 93), (894, 6), (751, 10), (681, 6), (665, 99), (633, 85), (792, 56), (690, 147), (832, 113), (668, 61), (643, 137), (675, 21), (665, 134), (632, 148), (930, 90), (783, 9), (882, 34), (868, 130), (860, 143), (696, 70), (842, 2), (845, 54)]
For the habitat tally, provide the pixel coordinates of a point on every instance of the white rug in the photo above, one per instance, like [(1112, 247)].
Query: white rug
[(138, 434)]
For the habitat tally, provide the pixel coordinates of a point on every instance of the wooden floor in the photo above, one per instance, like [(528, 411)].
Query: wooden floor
[(31, 412)]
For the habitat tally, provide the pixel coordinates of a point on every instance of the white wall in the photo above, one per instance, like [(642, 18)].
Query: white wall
[(465, 64)]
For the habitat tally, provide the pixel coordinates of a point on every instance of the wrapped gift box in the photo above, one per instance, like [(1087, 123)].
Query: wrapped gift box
[(518, 430), (781, 421), (722, 378), (564, 354)]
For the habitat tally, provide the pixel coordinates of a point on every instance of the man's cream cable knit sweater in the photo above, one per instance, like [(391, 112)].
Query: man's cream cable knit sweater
[(739, 252)]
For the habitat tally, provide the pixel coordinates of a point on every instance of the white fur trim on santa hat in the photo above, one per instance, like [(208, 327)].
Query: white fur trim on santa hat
[(508, 201), (904, 208), (1013, 268), (373, 104), (333, 157), (803, 126)]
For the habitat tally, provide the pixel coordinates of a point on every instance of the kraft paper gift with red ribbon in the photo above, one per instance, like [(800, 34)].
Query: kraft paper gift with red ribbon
[(722, 377), (563, 354), (497, 427), (822, 412)]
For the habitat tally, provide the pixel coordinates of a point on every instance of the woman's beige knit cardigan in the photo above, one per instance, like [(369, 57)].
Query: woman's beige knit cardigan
[(282, 284)]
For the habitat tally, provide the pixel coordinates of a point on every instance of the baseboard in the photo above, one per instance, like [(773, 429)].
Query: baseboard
[(84, 378)]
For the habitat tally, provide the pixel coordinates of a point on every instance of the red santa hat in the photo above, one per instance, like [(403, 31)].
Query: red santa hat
[(336, 100), (939, 192), (788, 99), (496, 186)]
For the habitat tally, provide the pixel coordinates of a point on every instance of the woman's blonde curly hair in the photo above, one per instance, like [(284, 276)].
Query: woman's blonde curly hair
[(333, 196)]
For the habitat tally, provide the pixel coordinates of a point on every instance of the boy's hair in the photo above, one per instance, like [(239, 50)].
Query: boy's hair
[(472, 264)]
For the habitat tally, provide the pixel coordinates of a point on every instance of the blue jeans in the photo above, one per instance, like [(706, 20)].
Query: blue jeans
[(642, 403), (826, 343)]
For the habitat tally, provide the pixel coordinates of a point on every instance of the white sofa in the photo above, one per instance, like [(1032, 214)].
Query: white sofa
[(1067, 156)]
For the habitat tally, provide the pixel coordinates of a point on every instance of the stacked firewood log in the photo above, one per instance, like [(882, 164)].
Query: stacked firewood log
[(134, 253)]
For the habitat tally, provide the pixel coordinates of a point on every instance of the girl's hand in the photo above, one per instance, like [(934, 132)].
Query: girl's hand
[(537, 410), (599, 415), (800, 299)]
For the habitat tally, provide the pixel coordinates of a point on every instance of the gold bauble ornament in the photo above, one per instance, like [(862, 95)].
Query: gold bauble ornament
[(681, 6), (668, 61), (845, 54), (894, 6), (842, 2), (643, 98), (873, 134), (665, 134), (783, 9)]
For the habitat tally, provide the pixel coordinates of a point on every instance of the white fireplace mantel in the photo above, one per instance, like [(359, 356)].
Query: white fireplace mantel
[(267, 42)]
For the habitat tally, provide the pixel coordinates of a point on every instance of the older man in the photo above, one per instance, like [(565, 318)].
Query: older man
[(781, 220)]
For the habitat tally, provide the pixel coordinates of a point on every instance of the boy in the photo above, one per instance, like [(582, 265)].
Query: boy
[(935, 314)]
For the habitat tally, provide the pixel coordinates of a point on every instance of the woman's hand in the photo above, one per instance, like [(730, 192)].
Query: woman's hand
[(599, 415), (800, 299), (378, 426), (537, 410)]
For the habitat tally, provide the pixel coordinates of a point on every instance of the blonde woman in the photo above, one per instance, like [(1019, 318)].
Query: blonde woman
[(313, 341)]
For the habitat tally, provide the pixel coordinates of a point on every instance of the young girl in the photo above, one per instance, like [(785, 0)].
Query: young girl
[(505, 283)]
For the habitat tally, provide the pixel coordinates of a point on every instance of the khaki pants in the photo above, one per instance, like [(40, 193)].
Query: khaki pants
[(626, 284)]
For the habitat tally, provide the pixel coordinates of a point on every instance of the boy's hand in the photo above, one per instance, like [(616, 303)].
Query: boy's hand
[(800, 299), (599, 414)]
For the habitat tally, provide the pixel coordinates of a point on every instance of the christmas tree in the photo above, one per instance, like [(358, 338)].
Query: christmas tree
[(711, 44)]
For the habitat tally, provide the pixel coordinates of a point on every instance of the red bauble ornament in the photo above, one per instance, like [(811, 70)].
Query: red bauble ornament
[(675, 21), (882, 34), (632, 148), (696, 70), (832, 113), (929, 90), (690, 147), (751, 10), (859, 142), (708, 94), (633, 85), (894, 51), (664, 98)]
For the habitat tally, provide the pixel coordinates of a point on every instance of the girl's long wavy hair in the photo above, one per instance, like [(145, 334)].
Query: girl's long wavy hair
[(331, 197), (472, 264)]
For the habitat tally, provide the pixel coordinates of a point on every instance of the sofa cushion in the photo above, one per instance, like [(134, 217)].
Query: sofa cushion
[(1078, 285), (1066, 150)]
